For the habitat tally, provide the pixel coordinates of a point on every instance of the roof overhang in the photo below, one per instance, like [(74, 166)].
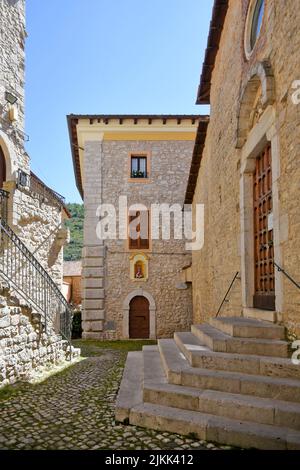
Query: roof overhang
[(215, 31), (126, 127)]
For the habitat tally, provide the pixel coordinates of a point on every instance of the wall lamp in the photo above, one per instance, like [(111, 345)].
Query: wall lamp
[(10, 98)]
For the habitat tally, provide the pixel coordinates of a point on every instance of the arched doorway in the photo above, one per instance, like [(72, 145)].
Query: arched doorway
[(139, 318), (2, 168)]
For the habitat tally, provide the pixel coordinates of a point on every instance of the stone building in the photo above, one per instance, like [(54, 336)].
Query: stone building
[(249, 164), (232, 379), (132, 288), (32, 231), (72, 281)]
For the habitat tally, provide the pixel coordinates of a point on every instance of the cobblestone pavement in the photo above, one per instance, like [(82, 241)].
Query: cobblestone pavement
[(74, 409)]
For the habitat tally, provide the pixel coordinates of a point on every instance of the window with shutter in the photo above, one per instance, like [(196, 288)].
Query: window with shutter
[(139, 230)]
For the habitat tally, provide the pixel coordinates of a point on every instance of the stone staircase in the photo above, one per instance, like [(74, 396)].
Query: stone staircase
[(230, 381)]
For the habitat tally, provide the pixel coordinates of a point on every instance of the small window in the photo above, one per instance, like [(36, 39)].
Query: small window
[(257, 22), (138, 166), (138, 230), (253, 25)]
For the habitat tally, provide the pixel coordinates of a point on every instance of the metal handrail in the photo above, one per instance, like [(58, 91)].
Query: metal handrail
[(21, 270), (4, 195), (281, 270), (226, 295)]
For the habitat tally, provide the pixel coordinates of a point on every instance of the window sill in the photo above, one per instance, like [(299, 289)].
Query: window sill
[(139, 180)]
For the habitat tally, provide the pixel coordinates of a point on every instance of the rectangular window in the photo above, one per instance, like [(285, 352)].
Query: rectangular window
[(138, 230), (138, 166)]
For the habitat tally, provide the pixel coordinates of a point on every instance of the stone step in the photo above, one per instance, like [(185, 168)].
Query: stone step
[(221, 342), (130, 392), (201, 356), (179, 372), (248, 328), (153, 368), (214, 428), (229, 405), (258, 314)]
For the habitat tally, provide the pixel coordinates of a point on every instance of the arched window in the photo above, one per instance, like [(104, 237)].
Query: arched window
[(2, 168)]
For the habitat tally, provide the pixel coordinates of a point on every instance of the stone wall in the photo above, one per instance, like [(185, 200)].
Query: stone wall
[(220, 173), (34, 217), (26, 349), (104, 314), (12, 79)]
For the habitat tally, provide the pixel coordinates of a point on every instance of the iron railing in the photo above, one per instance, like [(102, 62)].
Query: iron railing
[(4, 195), (24, 274), (37, 186), (281, 270), (227, 293)]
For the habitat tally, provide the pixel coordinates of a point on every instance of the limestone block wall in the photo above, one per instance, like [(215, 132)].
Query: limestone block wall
[(38, 223), (106, 269), (219, 176), (12, 79), (26, 351)]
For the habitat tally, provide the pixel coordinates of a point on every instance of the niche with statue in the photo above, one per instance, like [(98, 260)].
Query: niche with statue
[(139, 267)]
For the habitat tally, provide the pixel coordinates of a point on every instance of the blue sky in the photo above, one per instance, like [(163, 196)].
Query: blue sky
[(106, 56)]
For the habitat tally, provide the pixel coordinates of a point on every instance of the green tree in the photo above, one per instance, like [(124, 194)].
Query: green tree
[(72, 251)]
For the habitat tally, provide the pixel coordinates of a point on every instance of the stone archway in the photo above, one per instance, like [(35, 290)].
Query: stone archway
[(257, 92), (8, 155), (152, 311)]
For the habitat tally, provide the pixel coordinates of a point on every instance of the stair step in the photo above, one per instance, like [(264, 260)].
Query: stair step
[(258, 314), (153, 369), (214, 428), (201, 356), (178, 371), (228, 405), (130, 392), (172, 360), (221, 342), (248, 328)]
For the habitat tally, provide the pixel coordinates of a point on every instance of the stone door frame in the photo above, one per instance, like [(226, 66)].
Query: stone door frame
[(9, 156), (263, 132), (152, 312)]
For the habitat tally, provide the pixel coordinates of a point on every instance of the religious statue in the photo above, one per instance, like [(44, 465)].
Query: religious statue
[(139, 273)]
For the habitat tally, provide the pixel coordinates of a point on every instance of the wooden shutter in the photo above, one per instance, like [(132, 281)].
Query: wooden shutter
[(144, 242), (140, 243), (133, 244)]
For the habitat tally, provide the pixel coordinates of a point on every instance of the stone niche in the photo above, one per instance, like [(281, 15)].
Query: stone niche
[(139, 267)]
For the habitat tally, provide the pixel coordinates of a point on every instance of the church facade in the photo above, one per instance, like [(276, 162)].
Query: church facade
[(248, 164), (133, 288)]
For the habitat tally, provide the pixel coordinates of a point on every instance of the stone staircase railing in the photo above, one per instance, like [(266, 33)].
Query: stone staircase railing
[(26, 276)]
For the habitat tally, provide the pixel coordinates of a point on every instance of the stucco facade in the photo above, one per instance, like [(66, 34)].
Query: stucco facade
[(108, 284), (257, 106)]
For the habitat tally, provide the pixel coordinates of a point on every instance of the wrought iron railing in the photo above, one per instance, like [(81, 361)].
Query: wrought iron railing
[(37, 186), (24, 274), (281, 270), (225, 299), (4, 195)]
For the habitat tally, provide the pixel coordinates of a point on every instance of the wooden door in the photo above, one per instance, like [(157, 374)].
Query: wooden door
[(2, 169), (264, 296), (139, 318)]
